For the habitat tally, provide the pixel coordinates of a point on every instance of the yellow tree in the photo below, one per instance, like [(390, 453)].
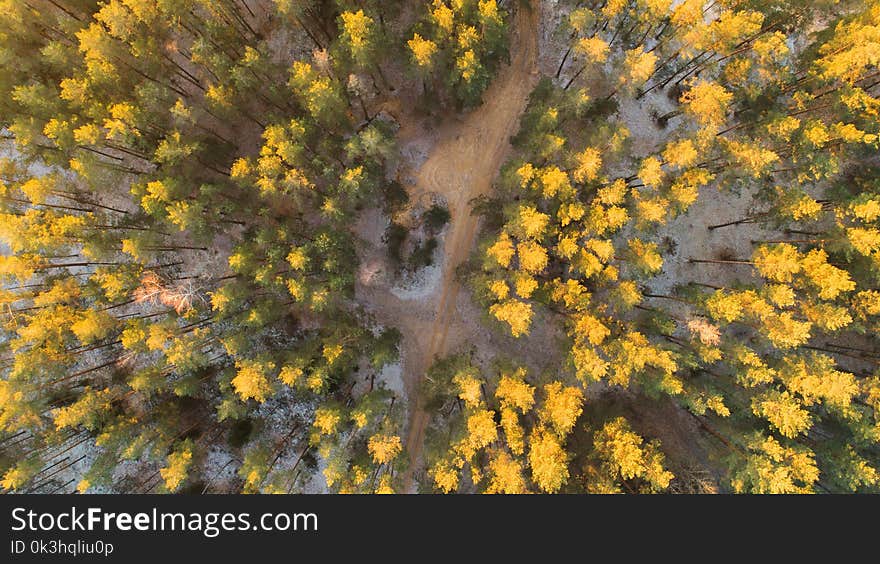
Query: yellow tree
[(178, 466), (707, 102), (620, 456), (359, 37), (768, 466)]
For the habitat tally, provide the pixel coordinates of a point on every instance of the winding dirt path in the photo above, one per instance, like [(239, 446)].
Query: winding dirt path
[(462, 166)]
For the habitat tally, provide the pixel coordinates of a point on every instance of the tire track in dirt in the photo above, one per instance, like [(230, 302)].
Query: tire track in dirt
[(462, 166)]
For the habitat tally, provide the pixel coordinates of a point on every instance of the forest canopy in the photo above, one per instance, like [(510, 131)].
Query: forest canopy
[(672, 275)]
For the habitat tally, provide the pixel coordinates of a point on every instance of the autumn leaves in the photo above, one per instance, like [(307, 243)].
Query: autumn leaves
[(182, 264), (581, 234)]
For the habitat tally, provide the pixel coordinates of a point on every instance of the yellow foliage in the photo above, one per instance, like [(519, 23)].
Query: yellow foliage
[(624, 454), (627, 294), (651, 172), (385, 487), (680, 153), (467, 36), (588, 164), (783, 128), (590, 328), (505, 475), (784, 331), (332, 352), (614, 193), (518, 315), (499, 289), (327, 420), (588, 365), (38, 189), (531, 223), (445, 476), (502, 250), (384, 448), (357, 27), (602, 248), (85, 410), (804, 208), (688, 13), (481, 429), (864, 240), (561, 408), (489, 14), (652, 210), (297, 258), (291, 375), (783, 412), (645, 256), (771, 468), (632, 353), (175, 472), (422, 50), (613, 8), (752, 157), (532, 257), (89, 134), (92, 326), (816, 133), (754, 371), (867, 210), (158, 336), (570, 212), (707, 102), (514, 392), (587, 264), (830, 280), (443, 16), (513, 431), (571, 293), (595, 49), (684, 194), (296, 289), (638, 66), (777, 262), (469, 388), (133, 337), (866, 302), (780, 294), (316, 379), (252, 380), (826, 316), (555, 183), (468, 65), (526, 174), (525, 286), (814, 378), (547, 460)]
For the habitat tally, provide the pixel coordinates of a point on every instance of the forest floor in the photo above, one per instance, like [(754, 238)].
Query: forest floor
[(462, 164)]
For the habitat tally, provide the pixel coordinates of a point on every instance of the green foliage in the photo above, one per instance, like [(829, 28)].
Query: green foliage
[(436, 217), (179, 215)]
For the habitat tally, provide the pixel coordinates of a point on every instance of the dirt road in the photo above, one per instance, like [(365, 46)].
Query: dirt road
[(462, 166)]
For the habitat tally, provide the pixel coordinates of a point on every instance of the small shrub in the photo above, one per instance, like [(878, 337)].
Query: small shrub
[(394, 197), (394, 238), (423, 255), (436, 217)]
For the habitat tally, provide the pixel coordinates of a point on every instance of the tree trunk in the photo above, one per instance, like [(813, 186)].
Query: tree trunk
[(710, 261)]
